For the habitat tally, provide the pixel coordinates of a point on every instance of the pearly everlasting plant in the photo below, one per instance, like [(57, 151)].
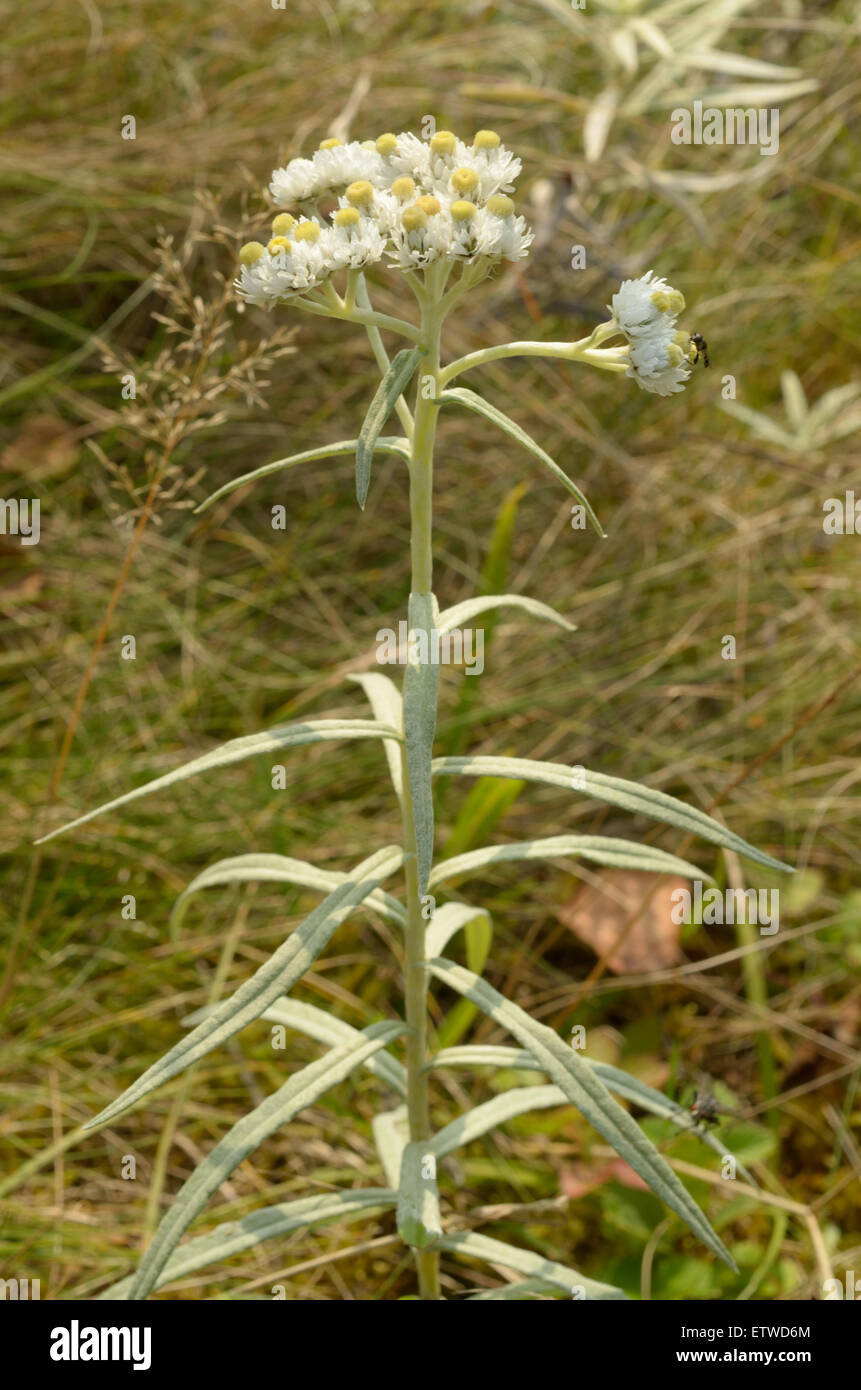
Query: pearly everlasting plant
[(438, 213)]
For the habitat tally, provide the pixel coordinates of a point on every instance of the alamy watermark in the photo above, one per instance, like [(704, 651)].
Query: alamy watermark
[(732, 125), (714, 907), (20, 519), (463, 647)]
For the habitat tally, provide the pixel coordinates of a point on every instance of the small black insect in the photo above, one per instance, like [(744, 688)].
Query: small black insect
[(704, 1109), (701, 349)]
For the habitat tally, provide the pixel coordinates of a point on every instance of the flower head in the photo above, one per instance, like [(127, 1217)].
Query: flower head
[(413, 200), (646, 311)]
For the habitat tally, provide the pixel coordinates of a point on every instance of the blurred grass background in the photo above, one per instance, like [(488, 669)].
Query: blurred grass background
[(117, 257)]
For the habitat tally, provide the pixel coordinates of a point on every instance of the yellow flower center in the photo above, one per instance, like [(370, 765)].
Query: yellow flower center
[(360, 194), (282, 224), (250, 252), (443, 142), (500, 205), (386, 144), (414, 219), (462, 211), (486, 140), (403, 189), (464, 181), (346, 217)]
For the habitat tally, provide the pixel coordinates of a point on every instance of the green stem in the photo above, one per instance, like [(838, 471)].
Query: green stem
[(586, 350), (421, 548)]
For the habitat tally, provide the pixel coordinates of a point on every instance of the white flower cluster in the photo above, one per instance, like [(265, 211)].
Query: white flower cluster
[(661, 356), (411, 200)]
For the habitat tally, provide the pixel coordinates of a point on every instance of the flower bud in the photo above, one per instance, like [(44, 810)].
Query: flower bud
[(283, 223), (668, 301), (250, 252), (500, 205), (331, 144), (414, 219), (485, 140), (386, 144), (307, 231), (360, 194), (464, 181), (346, 217), (404, 188), (443, 142), (278, 244), (429, 204), (462, 211)]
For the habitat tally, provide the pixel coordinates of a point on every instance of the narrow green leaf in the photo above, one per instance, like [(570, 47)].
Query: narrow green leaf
[(387, 703), (233, 1237), (585, 1090), (460, 395), (246, 1135), (237, 750), (278, 868), (497, 1252), (418, 1216), (616, 1080), (484, 1055), (521, 1291), (520, 1100), (343, 446), (391, 1130), (398, 376), (452, 618), (630, 796), (421, 684), (277, 974), (623, 854), (449, 919), (325, 1028)]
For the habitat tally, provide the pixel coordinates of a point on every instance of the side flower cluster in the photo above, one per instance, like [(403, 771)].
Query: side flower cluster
[(409, 200), (661, 355)]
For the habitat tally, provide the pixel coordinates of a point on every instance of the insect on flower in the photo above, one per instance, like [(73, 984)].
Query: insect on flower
[(700, 349)]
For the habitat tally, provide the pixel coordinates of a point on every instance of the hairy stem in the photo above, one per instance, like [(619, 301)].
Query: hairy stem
[(585, 350), (421, 549)]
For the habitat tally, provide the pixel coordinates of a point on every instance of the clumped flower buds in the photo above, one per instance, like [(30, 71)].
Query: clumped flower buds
[(401, 198), (645, 311)]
